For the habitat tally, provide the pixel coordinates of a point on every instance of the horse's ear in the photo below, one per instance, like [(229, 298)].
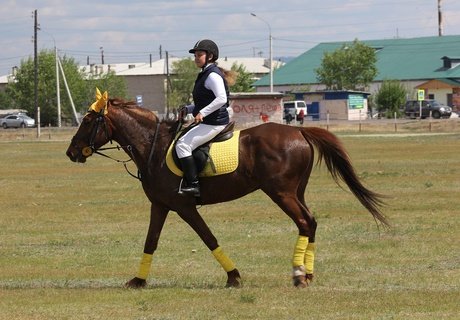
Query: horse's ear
[(100, 105)]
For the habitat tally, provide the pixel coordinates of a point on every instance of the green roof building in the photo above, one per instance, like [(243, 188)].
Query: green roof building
[(430, 63)]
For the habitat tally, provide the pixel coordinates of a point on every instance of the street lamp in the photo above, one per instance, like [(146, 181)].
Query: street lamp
[(271, 52)]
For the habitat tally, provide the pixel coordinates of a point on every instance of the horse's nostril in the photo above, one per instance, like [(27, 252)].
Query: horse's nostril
[(69, 154)]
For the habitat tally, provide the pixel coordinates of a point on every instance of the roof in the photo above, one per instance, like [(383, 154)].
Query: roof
[(158, 67), (439, 83), (397, 59), (5, 79)]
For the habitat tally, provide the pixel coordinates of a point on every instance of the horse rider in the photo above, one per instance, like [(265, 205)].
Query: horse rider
[(210, 98)]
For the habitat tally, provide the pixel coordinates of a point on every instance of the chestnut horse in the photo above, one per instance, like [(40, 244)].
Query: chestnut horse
[(274, 158)]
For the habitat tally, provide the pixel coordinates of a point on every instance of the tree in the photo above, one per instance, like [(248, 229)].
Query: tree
[(21, 91), (350, 67), (110, 82), (6, 102), (243, 81), (390, 97), (181, 83)]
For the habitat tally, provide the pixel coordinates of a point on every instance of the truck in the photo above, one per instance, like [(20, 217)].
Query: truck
[(292, 110)]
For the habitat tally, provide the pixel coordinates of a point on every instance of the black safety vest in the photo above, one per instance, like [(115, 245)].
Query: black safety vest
[(203, 96)]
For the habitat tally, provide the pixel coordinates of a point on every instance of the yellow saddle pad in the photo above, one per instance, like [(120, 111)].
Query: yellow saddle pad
[(224, 156)]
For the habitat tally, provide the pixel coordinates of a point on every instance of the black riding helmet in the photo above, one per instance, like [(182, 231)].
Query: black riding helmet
[(206, 45)]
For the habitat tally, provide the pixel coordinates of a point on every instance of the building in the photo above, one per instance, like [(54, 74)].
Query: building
[(430, 63), (146, 82)]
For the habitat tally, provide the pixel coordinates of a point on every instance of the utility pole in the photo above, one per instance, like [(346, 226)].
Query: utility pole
[(168, 83), (58, 94), (102, 55), (37, 107), (439, 19)]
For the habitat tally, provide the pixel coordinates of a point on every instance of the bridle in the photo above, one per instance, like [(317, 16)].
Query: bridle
[(91, 149)]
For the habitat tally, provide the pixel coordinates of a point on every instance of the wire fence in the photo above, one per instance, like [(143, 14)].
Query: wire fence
[(365, 123)]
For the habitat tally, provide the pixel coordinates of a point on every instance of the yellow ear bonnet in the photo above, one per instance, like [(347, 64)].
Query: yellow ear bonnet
[(100, 103)]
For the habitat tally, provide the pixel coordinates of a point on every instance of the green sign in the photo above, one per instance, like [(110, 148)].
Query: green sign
[(355, 101)]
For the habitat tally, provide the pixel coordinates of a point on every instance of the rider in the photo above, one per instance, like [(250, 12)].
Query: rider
[(210, 97)]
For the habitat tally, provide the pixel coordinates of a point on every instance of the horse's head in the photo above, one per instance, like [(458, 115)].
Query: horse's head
[(93, 133)]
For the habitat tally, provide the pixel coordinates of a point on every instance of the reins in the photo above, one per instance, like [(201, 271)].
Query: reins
[(101, 119), (92, 150), (154, 141), (124, 162)]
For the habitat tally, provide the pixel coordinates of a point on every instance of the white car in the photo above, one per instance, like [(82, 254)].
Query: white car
[(17, 121)]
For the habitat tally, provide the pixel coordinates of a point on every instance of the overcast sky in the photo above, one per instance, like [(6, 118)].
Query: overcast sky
[(130, 30)]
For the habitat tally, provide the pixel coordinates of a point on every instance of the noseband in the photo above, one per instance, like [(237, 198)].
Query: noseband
[(90, 149)]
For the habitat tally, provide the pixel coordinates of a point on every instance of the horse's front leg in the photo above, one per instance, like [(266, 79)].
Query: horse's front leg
[(190, 215), (158, 216)]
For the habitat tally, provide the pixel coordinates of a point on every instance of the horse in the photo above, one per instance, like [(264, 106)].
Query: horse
[(273, 157)]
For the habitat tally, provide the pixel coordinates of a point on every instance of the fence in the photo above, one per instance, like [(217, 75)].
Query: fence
[(451, 125)]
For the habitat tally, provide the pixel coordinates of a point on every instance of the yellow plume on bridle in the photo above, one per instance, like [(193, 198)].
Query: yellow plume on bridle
[(100, 103)]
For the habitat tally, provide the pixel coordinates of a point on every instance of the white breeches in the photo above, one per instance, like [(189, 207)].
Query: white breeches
[(195, 137)]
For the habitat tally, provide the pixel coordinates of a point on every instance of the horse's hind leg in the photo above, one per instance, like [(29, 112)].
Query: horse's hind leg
[(303, 258), (310, 251)]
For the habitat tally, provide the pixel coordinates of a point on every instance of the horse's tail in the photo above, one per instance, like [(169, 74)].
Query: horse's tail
[(330, 150)]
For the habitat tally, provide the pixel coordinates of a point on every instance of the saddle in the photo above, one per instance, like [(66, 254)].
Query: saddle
[(201, 154)]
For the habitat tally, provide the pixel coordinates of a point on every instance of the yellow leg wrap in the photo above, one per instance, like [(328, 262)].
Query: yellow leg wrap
[(222, 258), (299, 251), (144, 267), (310, 258)]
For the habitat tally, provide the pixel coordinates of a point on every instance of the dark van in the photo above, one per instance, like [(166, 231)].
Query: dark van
[(437, 110)]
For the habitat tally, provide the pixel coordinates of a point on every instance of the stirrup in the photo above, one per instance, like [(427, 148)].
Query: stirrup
[(189, 190)]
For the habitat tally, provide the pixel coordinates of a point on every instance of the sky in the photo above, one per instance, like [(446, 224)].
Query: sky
[(133, 31)]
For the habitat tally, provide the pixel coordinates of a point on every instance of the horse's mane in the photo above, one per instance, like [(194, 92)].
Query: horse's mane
[(120, 103), (143, 112)]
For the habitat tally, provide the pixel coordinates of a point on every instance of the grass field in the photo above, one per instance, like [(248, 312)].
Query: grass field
[(72, 235)]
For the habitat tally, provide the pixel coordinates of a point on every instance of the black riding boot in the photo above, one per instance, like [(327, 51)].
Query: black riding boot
[(191, 184)]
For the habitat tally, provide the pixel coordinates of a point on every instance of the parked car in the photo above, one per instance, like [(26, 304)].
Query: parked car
[(292, 109), (437, 110), (17, 121)]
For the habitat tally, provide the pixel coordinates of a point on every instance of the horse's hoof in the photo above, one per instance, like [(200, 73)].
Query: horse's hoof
[(300, 281), (234, 279), (136, 283)]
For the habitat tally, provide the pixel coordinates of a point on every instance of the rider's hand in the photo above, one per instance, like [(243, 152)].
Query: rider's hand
[(198, 118)]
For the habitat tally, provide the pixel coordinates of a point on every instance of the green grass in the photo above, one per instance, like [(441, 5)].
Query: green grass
[(71, 236)]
